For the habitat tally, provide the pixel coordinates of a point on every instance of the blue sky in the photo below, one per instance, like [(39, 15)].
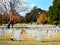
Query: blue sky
[(43, 4)]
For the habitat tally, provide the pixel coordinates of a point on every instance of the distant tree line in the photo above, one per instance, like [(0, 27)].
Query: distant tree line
[(52, 16)]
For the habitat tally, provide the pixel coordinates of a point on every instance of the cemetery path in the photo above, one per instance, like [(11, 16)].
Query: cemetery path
[(27, 39)]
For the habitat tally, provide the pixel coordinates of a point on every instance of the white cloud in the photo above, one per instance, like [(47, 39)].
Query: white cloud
[(32, 5)]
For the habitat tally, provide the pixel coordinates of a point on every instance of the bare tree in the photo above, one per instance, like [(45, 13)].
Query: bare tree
[(13, 5)]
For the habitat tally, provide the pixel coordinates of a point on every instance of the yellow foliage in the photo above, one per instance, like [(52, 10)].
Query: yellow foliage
[(42, 18)]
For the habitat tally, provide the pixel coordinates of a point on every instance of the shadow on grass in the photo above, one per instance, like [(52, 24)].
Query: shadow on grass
[(52, 41)]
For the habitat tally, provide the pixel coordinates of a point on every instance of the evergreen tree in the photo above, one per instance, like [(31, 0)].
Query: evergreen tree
[(54, 12)]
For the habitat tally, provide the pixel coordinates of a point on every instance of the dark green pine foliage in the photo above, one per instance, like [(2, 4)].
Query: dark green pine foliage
[(54, 12)]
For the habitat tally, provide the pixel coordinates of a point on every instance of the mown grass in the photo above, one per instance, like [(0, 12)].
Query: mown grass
[(27, 39)]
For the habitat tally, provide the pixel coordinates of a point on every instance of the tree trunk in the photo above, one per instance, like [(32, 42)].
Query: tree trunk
[(8, 26), (12, 25)]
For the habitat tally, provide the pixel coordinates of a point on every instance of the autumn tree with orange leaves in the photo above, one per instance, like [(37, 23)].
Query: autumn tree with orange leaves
[(11, 6), (42, 18)]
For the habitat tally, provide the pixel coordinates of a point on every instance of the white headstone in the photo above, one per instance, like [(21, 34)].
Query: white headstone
[(58, 32), (1, 32), (34, 33), (16, 35), (8, 31), (44, 32), (50, 33), (40, 36)]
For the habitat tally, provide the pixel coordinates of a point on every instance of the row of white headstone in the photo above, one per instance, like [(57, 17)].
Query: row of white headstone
[(4, 32), (16, 36), (40, 32)]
